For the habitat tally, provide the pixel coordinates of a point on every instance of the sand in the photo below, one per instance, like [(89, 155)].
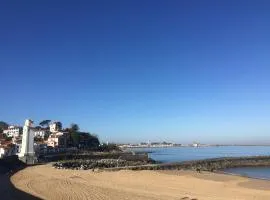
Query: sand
[(46, 182)]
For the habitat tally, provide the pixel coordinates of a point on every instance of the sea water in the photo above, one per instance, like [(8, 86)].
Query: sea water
[(178, 154), (253, 172)]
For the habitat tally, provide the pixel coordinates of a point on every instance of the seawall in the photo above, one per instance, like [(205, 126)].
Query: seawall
[(205, 165), (216, 164)]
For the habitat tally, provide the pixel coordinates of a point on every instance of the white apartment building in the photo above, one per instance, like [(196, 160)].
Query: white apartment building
[(13, 131), (40, 133), (2, 151), (55, 127), (56, 139)]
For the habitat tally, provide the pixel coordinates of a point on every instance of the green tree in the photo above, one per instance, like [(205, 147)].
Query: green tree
[(93, 141), (75, 138), (45, 123), (59, 125), (73, 130), (74, 127)]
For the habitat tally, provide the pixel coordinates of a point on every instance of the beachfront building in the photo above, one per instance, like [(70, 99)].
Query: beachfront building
[(55, 127), (13, 131), (195, 144), (7, 149), (17, 141), (56, 139), (40, 132)]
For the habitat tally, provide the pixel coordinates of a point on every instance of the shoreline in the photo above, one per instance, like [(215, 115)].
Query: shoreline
[(239, 175), (185, 146)]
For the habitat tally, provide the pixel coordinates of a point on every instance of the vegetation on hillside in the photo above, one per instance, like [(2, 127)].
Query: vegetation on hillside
[(45, 123), (82, 140), (3, 126)]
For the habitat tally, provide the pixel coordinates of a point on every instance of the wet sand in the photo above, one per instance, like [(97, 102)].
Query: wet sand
[(46, 182)]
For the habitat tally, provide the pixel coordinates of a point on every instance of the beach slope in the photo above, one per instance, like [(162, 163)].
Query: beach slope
[(46, 182)]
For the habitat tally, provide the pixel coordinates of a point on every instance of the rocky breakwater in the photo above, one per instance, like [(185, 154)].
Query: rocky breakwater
[(97, 164), (94, 156), (210, 164), (198, 165)]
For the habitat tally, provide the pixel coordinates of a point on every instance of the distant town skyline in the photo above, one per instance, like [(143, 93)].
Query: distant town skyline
[(132, 71)]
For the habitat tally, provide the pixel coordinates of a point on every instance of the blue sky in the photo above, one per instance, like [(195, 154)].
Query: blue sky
[(132, 71)]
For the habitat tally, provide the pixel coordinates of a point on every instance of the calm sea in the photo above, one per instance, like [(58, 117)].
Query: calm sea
[(190, 153), (253, 172)]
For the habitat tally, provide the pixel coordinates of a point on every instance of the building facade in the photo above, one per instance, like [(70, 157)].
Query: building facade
[(17, 141), (55, 127), (40, 133), (13, 131), (57, 139), (7, 150)]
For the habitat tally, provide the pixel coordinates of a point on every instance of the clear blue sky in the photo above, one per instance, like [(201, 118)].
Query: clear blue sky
[(179, 71)]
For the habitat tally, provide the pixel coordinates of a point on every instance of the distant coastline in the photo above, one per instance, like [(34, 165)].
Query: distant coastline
[(183, 146)]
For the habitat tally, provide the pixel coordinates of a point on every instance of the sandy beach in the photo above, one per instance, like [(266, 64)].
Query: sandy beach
[(46, 182)]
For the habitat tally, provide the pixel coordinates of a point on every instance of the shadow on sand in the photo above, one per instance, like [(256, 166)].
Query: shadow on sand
[(9, 192), (8, 167)]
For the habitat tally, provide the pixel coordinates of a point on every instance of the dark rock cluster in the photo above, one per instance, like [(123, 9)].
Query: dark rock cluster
[(95, 156), (198, 165), (93, 164)]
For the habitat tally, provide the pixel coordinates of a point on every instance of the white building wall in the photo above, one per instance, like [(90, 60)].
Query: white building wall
[(2, 152), (54, 127), (40, 133), (12, 131)]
